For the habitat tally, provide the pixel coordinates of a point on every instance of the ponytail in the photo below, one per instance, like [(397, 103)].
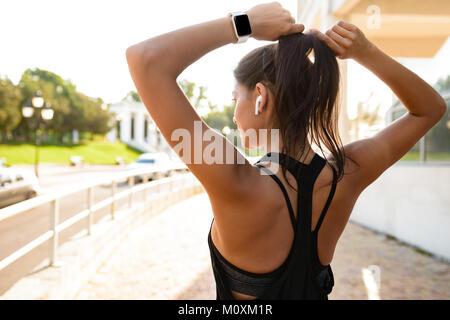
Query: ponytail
[(302, 73)]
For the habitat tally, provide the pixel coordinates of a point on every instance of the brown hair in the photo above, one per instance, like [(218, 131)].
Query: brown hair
[(305, 92)]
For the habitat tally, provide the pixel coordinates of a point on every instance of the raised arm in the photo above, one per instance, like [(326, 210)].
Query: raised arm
[(425, 106), (155, 65)]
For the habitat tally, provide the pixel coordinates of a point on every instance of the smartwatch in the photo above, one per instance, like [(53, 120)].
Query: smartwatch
[(241, 25)]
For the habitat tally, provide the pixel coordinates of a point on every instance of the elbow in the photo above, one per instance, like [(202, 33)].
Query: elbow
[(442, 108), (130, 53), (134, 55), (138, 57)]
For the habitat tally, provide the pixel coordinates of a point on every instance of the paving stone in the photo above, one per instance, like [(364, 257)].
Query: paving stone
[(168, 258)]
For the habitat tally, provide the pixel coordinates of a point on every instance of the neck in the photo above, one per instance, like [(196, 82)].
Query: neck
[(305, 156)]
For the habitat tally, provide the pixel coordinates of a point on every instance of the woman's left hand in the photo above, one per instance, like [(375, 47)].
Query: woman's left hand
[(269, 21)]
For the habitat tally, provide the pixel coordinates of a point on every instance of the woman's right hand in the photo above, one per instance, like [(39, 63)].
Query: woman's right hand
[(345, 39)]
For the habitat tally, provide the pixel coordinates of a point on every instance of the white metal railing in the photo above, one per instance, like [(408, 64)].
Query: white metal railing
[(175, 183)]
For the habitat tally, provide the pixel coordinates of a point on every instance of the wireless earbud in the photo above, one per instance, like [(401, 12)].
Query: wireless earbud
[(258, 101)]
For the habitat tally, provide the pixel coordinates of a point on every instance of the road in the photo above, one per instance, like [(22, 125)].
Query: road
[(17, 231)]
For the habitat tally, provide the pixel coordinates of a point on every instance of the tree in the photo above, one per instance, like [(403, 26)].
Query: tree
[(443, 84), (365, 115), (200, 97), (72, 109), (133, 96), (220, 119), (57, 92), (187, 87), (10, 99), (97, 119)]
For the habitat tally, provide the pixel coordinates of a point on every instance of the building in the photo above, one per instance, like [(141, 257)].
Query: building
[(407, 29), (409, 201), (135, 127)]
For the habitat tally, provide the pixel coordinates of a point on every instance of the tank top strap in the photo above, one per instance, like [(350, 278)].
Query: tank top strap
[(327, 204), (310, 177), (289, 163), (305, 180), (293, 165), (285, 194)]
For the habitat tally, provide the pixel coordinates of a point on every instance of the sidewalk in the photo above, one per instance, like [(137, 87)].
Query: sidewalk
[(168, 258)]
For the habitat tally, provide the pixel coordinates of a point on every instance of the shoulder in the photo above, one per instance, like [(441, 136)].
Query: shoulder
[(346, 194), (242, 215), (349, 169)]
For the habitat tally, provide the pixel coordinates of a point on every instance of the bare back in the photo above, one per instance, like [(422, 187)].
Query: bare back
[(266, 246)]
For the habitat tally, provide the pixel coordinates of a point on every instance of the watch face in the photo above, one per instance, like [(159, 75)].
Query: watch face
[(242, 25)]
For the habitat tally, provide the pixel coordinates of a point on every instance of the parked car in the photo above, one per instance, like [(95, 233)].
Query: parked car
[(175, 160), (157, 160), (17, 185)]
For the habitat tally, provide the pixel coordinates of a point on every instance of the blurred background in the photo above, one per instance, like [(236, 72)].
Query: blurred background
[(93, 201)]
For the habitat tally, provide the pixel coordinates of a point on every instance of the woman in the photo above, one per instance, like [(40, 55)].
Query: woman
[(276, 240)]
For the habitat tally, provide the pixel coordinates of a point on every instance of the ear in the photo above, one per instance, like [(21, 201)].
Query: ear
[(261, 90)]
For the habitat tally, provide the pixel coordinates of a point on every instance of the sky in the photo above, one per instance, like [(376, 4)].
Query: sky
[(85, 41)]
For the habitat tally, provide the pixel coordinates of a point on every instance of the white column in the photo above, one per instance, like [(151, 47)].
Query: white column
[(125, 124), (139, 127)]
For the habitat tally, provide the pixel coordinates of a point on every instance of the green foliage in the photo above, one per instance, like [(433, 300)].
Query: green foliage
[(75, 111), (133, 95), (187, 87), (72, 109), (443, 84), (201, 96), (219, 119), (10, 99), (215, 118)]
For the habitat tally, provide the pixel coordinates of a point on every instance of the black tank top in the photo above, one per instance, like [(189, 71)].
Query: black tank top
[(301, 276)]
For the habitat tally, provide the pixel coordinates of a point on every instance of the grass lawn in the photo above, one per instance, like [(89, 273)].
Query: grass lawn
[(431, 156), (103, 152), (96, 152)]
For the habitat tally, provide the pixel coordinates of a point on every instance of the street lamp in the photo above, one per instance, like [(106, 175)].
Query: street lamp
[(226, 130), (37, 100), (27, 110), (46, 113)]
